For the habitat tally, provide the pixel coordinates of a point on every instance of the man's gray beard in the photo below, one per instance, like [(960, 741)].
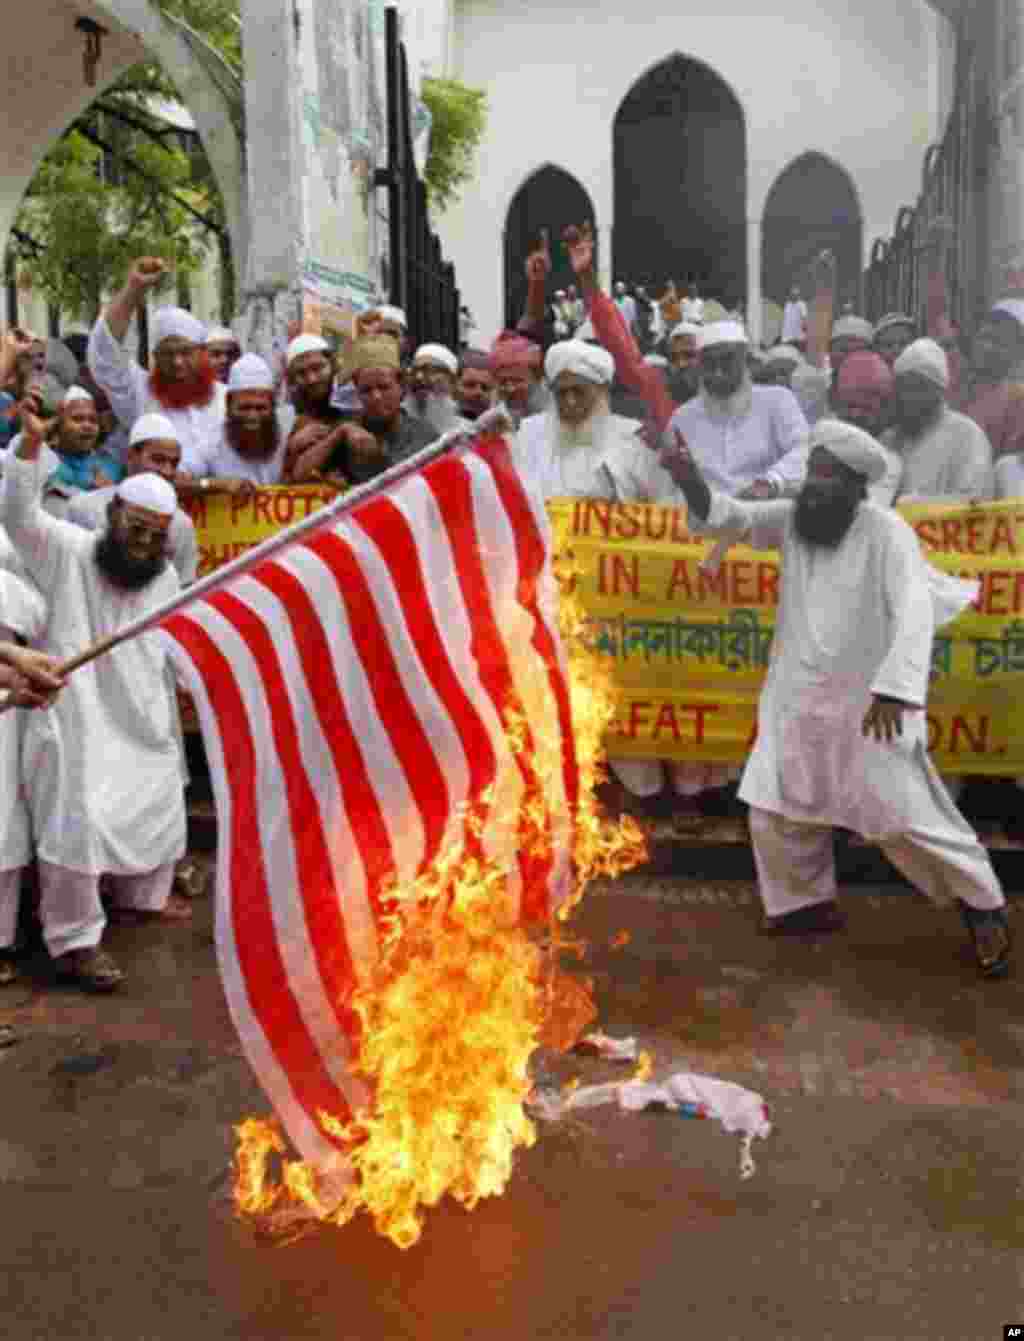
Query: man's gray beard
[(593, 434), (440, 412)]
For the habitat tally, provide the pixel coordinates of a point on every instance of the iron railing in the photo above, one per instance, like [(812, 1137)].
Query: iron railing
[(955, 186), (422, 282)]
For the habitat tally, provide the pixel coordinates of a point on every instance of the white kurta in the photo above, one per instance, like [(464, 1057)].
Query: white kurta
[(22, 612), (102, 768), (127, 386), (760, 433), (952, 459), (623, 468), (89, 510), (852, 622)]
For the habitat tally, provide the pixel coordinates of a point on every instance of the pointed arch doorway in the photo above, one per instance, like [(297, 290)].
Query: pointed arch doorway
[(812, 206), (680, 161), (550, 198)]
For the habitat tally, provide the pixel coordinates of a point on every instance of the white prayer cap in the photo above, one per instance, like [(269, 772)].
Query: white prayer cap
[(782, 354), (221, 335), (150, 427), (722, 333), (927, 358), (305, 344), (394, 314), (852, 446), (656, 360), (894, 319), (853, 328), (74, 393), (686, 328), (438, 354), (175, 321), (250, 373), (1011, 307), (149, 491), (590, 362)]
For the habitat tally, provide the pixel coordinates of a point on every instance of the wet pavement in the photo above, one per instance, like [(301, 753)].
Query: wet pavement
[(887, 1203)]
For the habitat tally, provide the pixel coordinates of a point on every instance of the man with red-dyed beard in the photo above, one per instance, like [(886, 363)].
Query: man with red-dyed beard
[(181, 383)]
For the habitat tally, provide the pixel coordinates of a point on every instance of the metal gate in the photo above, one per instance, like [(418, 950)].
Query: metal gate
[(422, 282), (956, 177)]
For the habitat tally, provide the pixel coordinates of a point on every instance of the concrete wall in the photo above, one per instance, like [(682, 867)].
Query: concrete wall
[(856, 83)]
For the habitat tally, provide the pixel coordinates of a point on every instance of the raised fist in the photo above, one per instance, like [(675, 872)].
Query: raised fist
[(147, 272), (579, 242), (538, 263)]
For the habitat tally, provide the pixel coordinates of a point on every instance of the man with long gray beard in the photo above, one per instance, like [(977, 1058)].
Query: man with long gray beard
[(102, 770), (842, 735), (580, 448), (431, 381)]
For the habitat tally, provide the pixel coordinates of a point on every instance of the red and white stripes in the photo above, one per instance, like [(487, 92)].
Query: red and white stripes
[(357, 692)]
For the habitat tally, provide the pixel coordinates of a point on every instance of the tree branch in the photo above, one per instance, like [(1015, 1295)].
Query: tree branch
[(132, 166)]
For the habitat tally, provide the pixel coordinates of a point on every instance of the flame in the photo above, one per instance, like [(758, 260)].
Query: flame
[(644, 1067), (620, 940), (461, 999)]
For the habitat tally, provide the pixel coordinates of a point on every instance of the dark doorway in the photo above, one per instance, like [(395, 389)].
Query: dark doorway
[(680, 182), (553, 199), (813, 205)]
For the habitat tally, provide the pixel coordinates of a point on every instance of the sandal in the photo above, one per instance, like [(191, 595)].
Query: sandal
[(176, 909), (990, 931), (91, 969), (818, 919), (8, 969)]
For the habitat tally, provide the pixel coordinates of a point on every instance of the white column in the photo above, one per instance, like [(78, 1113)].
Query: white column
[(604, 257), (754, 279)]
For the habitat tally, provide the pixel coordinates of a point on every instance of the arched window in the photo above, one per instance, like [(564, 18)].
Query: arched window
[(549, 198), (680, 182), (812, 206)]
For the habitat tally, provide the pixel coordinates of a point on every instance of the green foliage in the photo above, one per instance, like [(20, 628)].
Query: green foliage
[(459, 117), (89, 229)]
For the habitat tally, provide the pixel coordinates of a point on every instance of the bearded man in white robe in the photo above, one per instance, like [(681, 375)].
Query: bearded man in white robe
[(181, 384), (842, 735), (102, 771), (578, 448)]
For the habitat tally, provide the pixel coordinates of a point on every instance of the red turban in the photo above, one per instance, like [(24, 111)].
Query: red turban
[(513, 351), (866, 373)]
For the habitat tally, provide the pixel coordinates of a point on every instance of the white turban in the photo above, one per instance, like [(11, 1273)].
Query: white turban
[(150, 427), (168, 321), (438, 354), (74, 393), (221, 335), (686, 328), (894, 319), (722, 333), (305, 344), (927, 358), (853, 328), (1011, 307), (590, 362), (394, 314), (782, 354), (852, 446), (250, 373), (149, 491)]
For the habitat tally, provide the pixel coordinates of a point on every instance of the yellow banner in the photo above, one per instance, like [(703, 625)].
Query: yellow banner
[(689, 650)]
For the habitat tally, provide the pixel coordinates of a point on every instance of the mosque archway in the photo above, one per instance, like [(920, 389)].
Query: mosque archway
[(550, 198), (680, 159), (813, 205), (47, 88)]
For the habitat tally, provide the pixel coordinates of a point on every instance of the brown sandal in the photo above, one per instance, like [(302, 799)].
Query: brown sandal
[(820, 919), (8, 970), (176, 909), (91, 969)]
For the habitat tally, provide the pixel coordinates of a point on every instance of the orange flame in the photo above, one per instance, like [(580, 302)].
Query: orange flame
[(461, 999)]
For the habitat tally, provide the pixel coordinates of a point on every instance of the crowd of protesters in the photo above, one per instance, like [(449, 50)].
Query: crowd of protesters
[(98, 454)]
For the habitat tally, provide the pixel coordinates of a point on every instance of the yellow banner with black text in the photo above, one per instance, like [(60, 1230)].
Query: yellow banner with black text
[(689, 649)]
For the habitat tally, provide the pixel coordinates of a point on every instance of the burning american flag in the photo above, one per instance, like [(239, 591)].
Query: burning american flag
[(387, 712)]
